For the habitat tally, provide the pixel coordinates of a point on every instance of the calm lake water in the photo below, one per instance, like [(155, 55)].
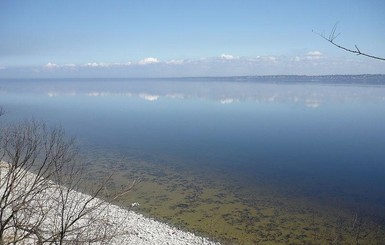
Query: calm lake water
[(268, 161)]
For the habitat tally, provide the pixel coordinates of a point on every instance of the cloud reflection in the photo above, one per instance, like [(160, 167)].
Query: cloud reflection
[(149, 97), (228, 101), (309, 94), (312, 103)]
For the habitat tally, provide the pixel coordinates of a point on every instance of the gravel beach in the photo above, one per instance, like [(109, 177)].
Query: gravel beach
[(100, 219), (142, 230)]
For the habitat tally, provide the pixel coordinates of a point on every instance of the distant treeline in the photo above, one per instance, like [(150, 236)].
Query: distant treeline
[(369, 79)]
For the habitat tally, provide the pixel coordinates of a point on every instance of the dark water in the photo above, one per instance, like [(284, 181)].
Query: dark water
[(322, 143)]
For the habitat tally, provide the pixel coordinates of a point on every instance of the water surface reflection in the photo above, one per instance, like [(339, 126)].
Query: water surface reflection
[(245, 162)]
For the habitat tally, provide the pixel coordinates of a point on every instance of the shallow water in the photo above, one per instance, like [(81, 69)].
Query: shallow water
[(241, 161)]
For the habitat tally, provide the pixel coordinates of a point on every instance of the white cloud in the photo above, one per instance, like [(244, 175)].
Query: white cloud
[(175, 62), (228, 57), (149, 97), (95, 64), (297, 58), (270, 58), (128, 63), (104, 64), (309, 56), (149, 60), (310, 62), (314, 55), (50, 65), (267, 59), (69, 65)]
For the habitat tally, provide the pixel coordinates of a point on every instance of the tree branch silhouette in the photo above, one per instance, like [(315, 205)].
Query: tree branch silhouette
[(333, 36), (42, 186)]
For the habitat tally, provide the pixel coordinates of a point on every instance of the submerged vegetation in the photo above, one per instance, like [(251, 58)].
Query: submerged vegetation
[(237, 213), (267, 164)]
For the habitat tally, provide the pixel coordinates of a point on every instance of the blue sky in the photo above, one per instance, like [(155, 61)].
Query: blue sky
[(142, 38)]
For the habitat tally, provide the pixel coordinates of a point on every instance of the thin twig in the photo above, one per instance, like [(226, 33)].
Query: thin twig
[(333, 36)]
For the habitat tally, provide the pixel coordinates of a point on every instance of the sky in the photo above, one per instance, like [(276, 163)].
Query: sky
[(177, 38)]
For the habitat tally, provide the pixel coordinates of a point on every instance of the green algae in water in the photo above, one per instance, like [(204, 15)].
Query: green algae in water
[(218, 206)]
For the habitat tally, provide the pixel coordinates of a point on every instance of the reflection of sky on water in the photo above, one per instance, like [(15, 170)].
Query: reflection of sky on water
[(309, 94), (287, 131)]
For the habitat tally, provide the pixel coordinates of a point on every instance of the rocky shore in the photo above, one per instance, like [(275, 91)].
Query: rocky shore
[(141, 230), (90, 220)]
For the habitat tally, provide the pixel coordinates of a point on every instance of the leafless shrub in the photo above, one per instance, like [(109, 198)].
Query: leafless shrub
[(40, 184)]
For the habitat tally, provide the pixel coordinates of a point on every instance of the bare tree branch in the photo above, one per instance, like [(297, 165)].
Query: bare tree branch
[(333, 36), (40, 197)]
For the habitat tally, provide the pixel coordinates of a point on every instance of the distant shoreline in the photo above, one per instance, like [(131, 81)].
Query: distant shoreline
[(340, 79)]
